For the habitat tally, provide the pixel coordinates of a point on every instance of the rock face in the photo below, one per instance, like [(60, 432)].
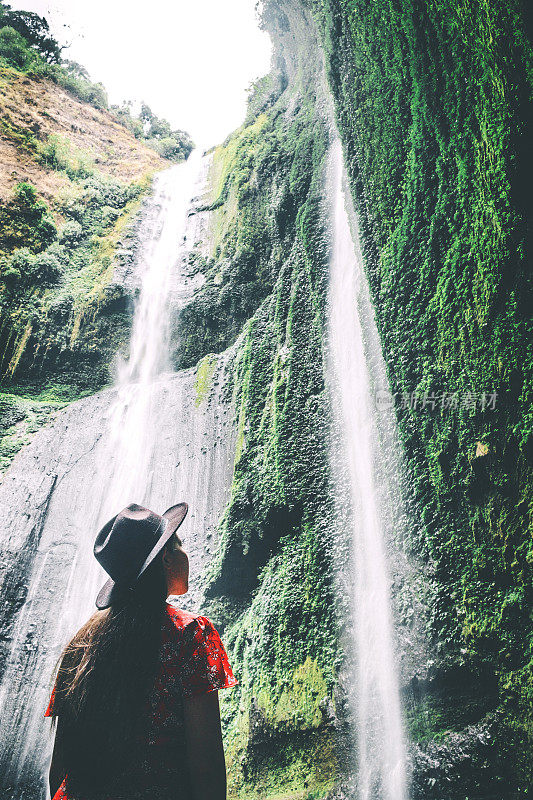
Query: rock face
[(156, 438), (283, 574), (420, 94), (53, 500), (450, 609)]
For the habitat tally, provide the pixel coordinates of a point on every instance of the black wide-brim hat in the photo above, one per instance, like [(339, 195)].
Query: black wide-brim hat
[(127, 544)]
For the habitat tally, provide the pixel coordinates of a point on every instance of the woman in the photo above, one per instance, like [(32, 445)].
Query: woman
[(135, 694)]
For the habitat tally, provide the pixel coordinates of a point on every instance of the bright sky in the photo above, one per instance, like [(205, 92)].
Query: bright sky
[(191, 62)]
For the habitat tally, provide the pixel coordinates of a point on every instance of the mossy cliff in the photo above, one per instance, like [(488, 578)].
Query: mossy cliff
[(432, 105), (271, 583), (433, 100)]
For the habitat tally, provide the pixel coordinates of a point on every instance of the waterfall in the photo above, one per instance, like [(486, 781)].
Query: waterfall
[(366, 432), (151, 439), (131, 420)]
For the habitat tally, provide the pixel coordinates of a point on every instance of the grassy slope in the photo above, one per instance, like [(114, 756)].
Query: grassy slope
[(433, 101), (35, 108)]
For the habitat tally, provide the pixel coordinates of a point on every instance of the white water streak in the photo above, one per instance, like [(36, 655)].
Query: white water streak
[(380, 748), (162, 234)]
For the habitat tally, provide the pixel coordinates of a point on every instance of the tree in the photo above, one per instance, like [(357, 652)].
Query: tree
[(35, 31), (13, 48), (76, 70), (146, 114)]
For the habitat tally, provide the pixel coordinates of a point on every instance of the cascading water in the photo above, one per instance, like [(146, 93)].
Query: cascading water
[(356, 372), (131, 417), (147, 441)]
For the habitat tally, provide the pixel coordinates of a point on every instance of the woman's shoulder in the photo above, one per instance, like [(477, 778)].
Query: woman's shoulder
[(181, 619), (204, 664)]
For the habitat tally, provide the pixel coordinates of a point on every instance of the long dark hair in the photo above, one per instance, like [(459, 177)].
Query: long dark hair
[(104, 677)]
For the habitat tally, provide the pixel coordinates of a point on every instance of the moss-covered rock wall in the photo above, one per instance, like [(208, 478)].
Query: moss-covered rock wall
[(271, 583), (433, 100), (432, 105)]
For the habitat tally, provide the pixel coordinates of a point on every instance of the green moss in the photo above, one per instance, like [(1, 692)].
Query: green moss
[(204, 374), (265, 179), (433, 104), (52, 306), (291, 769), (298, 705), (270, 580), (430, 115), (23, 413)]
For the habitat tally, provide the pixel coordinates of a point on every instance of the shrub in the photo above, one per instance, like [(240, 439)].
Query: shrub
[(84, 90), (109, 215), (26, 193), (9, 274), (55, 153), (58, 251), (14, 50), (46, 269), (46, 230), (71, 234), (25, 221), (20, 265), (58, 153), (172, 147)]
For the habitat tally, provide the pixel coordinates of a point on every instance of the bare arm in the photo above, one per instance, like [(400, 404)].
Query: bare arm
[(57, 772), (204, 745)]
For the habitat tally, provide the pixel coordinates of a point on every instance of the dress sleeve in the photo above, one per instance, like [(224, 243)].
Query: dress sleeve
[(205, 666)]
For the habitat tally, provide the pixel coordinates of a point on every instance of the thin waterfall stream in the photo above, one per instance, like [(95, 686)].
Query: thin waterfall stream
[(357, 373), (147, 440)]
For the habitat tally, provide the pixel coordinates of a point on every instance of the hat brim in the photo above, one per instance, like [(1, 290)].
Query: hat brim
[(107, 594), (175, 515), (110, 591)]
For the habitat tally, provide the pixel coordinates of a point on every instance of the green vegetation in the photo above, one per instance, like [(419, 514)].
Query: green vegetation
[(265, 182), (25, 222), (433, 102), (59, 154), (271, 580), (61, 317), (49, 294), (175, 145), (25, 39)]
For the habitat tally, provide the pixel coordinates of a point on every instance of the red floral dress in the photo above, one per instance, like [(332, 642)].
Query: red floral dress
[(193, 661)]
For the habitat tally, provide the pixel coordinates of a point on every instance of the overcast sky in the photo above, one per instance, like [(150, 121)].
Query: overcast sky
[(190, 61)]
